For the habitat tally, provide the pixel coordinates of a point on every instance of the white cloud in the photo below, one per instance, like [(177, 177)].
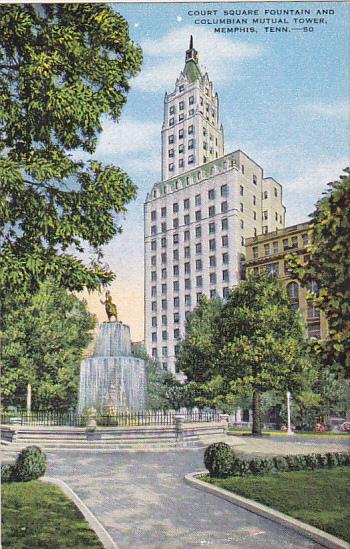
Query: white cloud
[(339, 109), (164, 56), (128, 137)]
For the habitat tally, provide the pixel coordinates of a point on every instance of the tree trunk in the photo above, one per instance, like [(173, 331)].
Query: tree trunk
[(29, 398), (256, 413)]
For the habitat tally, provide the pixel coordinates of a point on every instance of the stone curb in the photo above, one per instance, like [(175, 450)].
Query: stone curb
[(323, 538), (93, 522)]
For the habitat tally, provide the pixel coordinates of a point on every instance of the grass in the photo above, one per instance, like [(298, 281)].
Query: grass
[(39, 516), (319, 498)]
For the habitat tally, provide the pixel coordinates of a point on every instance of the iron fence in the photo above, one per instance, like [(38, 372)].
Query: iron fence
[(118, 419)]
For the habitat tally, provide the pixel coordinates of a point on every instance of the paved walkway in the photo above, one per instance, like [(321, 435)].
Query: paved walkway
[(143, 502)]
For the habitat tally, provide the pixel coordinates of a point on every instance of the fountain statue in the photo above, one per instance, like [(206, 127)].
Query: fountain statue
[(112, 379)]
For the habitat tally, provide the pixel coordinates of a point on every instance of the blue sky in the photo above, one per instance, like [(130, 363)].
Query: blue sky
[(283, 100)]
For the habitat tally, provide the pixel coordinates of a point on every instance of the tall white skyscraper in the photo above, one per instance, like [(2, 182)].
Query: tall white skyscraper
[(198, 216)]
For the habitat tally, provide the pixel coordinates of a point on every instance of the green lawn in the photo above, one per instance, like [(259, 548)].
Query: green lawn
[(320, 498), (39, 516), (299, 434)]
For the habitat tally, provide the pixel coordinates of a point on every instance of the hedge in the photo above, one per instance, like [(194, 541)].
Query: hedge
[(221, 462), (31, 463)]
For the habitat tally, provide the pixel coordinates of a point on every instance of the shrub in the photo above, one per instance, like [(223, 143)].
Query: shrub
[(322, 460), (221, 465), (280, 463), (331, 459), (31, 464), (8, 473), (261, 466), (240, 467), (211, 451)]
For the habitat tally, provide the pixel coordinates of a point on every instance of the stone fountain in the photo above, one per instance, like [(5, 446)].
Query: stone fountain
[(112, 379)]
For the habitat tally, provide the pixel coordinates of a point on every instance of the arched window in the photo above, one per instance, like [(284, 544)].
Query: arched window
[(293, 294)]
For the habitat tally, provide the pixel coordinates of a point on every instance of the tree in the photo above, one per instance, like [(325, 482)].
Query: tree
[(43, 344), (329, 266), (62, 67), (257, 342)]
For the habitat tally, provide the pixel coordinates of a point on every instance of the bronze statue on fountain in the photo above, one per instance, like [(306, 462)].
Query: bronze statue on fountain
[(111, 308)]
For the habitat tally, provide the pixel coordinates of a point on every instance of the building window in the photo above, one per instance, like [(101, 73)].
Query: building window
[(254, 216), (163, 257), (255, 252), (224, 240), (191, 159), (255, 180), (164, 288), (153, 260), (212, 261), (164, 273), (199, 265), (224, 224), (186, 235), (275, 247), (265, 229), (176, 333), (154, 337), (187, 283), (171, 121), (276, 216), (187, 219), (187, 299), (175, 238), (211, 211), (198, 232), (224, 207), (181, 105), (241, 207), (199, 296), (154, 321), (187, 268), (273, 268), (211, 194), (225, 275), (187, 251), (241, 190), (164, 351), (225, 258), (181, 134), (224, 190), (176, 223), (254, 200), (313, 288), (154, 229), (305, 238), (171, 139), (176, 301), (276, 191), (181, 148), (314, 330), (265, 195), (242, 168), (191, 100), (154, 306), (176, 318), (153, 215), (198, 248), (197, 200), (265, 214), (175, 207), (172, 109), (153, 291), (242, 224), (190, 144), (176, 270), (164, 320), (212, 278), (294, 241), (293, 291), (287, 269), (285, 244), (211, 228), (176, 286), (187, 314), (171, 153), (198, 215), (163, 227), (199, 281), (154, 352), (171, 167), (181, 163), (225, 292), (212, 244), (153, 276), (255, 231), (312, 311), (153, 245), (190, 130), (267, 249), (186, 203)]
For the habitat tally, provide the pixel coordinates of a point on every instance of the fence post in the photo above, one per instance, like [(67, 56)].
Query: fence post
[(224, 420), (91, 423), (179, 429)]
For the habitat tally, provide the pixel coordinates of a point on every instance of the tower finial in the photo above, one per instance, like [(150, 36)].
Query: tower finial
[(191, 42)]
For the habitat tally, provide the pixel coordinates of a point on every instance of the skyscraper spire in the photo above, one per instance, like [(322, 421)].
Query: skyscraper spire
[(191, 53), (191, 42)]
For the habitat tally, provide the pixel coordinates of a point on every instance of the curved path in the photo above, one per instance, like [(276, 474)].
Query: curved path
[(143, 502)]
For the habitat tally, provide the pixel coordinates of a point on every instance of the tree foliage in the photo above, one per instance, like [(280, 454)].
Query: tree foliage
[(62, 68), (329, 266), (257, 344), (43, 344)]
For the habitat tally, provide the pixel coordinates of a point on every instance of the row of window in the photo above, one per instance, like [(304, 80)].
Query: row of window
[(187, 282), (187, 255), (287, 244), (187, 234), (187, 218), (188, 299), (176, 271), (181, 148), (266, 194)]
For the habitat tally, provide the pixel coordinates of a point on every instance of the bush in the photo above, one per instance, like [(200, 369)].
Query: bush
[(221, 465), (280, 463), (240, 467), (311, 461), (31, 464), (322, 460), (212, 451), (8, 473), (261, 466)]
